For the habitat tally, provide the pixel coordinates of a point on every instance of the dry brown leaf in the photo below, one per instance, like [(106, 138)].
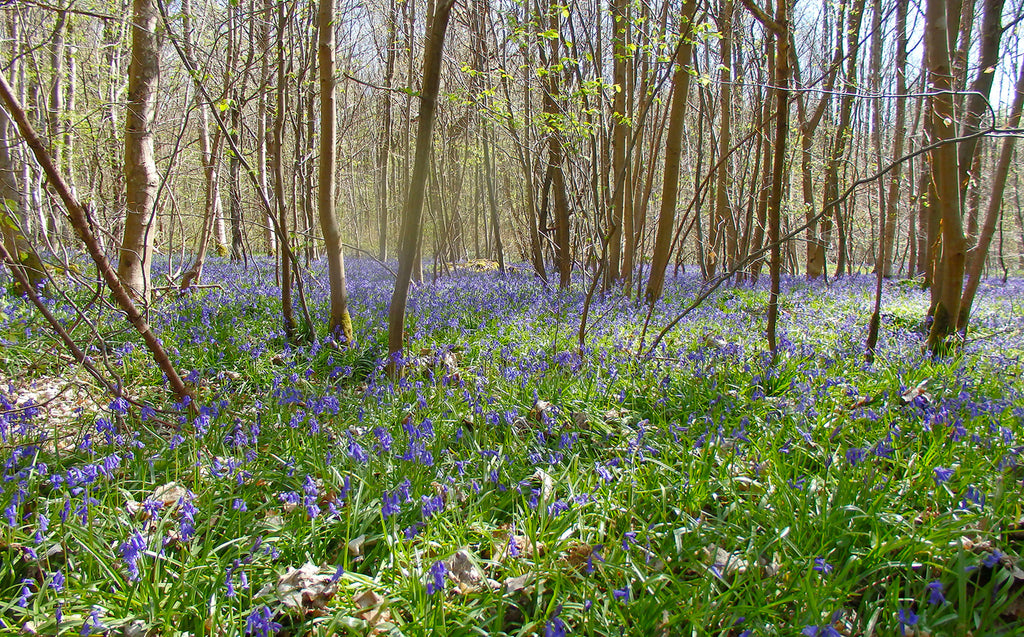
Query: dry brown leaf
[(306, 589)]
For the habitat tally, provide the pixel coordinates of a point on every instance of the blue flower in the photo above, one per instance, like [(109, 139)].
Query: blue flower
[(437, 572), (942, 474), (555, 627), (92, 624), (993, 558), (622, 593), (822, 566), (935, 595), (907, 617), (58, 581), (390, 505), (131, 550), (261, 622)]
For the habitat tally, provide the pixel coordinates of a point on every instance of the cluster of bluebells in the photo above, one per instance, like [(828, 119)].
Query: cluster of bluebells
[(445, 312)]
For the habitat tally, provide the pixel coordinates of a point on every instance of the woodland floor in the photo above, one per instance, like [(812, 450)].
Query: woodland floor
[(512, 483)]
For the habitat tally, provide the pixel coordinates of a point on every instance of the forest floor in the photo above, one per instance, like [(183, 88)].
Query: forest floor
[(512, 483)]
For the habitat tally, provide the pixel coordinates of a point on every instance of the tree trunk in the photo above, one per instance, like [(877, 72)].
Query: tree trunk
[(893, 197), (412, 215), (385, 147), (617, 188), (141, 178), (837, 154), (340, 322), (976, 256), (949, 270), (492, 201), (673, 155), (722, 234), (12, 226)]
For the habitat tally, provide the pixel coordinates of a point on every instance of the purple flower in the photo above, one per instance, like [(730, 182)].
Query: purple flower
[(935, 595), (93, 624), (390, 505), (337, 574), (355, 450), (119, 406), (131, 550), (26, 593), (907, 617), (431, 506), (437, 572), (820, 631), (555, 627), (58, 581), (942, 474), (822, 566), (628, 539), (622, 593), (595, 554), (855, 456), (993, 558), (261, 622)]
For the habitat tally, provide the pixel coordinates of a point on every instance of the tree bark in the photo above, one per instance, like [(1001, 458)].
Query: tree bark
[(340, 322), (141, 178), (412, 215), (82, 225), (673, 155), (949, 270), (977, 255), (722, 232)]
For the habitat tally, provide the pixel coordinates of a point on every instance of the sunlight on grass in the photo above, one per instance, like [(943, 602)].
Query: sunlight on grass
[(511, 484)]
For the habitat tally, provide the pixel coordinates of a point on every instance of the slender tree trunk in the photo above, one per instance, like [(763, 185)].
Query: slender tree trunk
[(385, 147), (83, 227), (899, 136), (340, 322), (492, 201), (837, 154), (553, 124), (722, 235), (977, 255), (412, 215), (141, 178), (277, 167), (949, 271), (616, 189), (673, 155)]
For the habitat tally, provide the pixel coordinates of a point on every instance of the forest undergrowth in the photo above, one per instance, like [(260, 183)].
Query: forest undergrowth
[(511, 483)]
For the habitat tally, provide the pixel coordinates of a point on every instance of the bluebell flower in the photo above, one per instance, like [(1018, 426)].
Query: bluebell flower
[(907, 617), (993, 558), (942, 475), (58, 581), (337, 574), (92, 624), (25, 594), (390, 505), (622, 593), (131, 551), (822, 566), (261, 622), (935, 591), (555, 627), (628, 539), (356, 451), (431, 506), (437, 572)]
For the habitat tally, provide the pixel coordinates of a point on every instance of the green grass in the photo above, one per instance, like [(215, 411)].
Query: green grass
[(702, 491)]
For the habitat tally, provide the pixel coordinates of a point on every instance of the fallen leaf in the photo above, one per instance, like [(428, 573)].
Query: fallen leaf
[(306, 589)]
